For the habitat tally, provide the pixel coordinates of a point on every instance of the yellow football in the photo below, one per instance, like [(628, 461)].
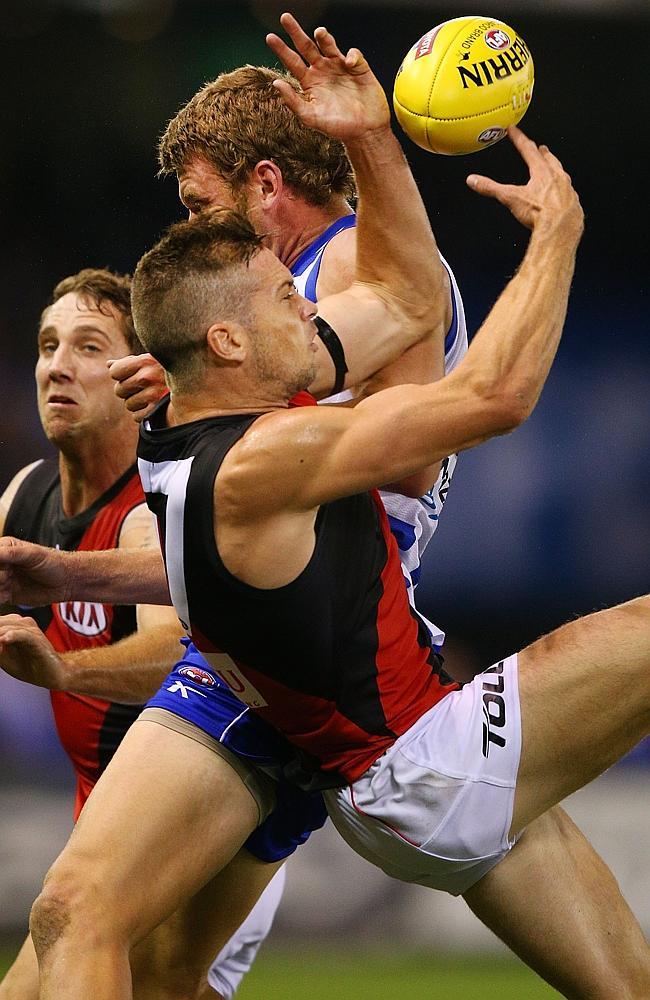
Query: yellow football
[(463, 84)]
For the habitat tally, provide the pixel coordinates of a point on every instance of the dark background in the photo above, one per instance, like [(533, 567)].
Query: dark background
[(540, 526)]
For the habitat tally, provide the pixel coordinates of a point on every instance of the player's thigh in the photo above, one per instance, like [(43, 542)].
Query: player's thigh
[(585, 701), (556, 904), (166, 815), (174, 959)]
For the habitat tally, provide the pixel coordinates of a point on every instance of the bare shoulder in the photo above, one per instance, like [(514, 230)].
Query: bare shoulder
[(7, 497), (276, 454), (338, 265), (138, 530)]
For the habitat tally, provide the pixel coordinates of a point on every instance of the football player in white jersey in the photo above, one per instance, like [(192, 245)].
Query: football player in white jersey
[(235, 144)]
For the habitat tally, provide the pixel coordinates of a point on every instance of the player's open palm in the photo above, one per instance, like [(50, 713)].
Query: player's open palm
[(340, 94), (548, 197), (27, 655)]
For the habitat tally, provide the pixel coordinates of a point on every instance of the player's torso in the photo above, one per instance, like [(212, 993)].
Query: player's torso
[(90, 729), (336, 660)]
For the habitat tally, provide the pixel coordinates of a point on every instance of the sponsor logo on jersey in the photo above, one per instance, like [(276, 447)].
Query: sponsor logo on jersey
[(494, 709), (492, 134), (497, 38), (198, 676), (83, 618)]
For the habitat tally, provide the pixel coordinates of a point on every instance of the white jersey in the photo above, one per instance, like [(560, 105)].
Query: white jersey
[(412, 521)]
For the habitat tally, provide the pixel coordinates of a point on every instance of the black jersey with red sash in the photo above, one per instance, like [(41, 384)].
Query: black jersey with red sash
[(90, 729), (337, 660)]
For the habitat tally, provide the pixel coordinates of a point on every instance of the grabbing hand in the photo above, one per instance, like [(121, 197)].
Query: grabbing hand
[(32, 574), (548, 197), (27, 655), (340, 94), (140, 382)]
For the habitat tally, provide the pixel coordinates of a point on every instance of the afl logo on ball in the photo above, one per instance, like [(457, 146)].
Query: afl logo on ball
[(198, 676), (497, 38), (82, 618), (489, 135)]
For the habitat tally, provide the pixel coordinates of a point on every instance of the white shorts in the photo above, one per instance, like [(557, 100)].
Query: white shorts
[(436, 808), (238, 954)]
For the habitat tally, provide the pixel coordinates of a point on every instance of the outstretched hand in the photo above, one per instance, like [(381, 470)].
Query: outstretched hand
[(27, 655), (547, 197), (340, 94)]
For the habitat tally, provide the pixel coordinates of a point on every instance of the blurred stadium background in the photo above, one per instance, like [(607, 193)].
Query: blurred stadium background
[(541, 526)]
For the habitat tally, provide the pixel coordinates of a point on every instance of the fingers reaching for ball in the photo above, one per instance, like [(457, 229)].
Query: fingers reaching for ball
[(548, 198)]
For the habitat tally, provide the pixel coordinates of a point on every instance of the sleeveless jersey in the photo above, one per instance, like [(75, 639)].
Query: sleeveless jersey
[(337, 660), (412, 521), (90, 729)]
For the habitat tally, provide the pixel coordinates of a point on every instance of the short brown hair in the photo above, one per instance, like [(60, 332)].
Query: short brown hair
[(190, 279), (238, 119), (101, 285)]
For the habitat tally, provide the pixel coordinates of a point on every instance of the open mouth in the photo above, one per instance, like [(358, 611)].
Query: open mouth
[(58, 400)]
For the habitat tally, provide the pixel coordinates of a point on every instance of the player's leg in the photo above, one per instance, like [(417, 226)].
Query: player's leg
[(236, 958), (557, 905), (172, 963), (167, 814), (21, 981), (584, 692)]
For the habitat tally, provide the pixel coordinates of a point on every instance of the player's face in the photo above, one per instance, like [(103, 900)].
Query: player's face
[(201, 188), (74, 388), (283, 344)]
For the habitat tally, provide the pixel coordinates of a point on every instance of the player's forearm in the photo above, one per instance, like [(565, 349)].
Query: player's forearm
[(117, 576), (513, 351), (396, 249), (130, 671)]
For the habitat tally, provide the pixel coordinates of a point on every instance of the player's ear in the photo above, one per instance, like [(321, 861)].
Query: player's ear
[(267, 181), (227, 342)]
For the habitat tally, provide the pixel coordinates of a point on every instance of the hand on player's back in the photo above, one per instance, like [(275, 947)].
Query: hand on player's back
[(340, 94), (548, 198)]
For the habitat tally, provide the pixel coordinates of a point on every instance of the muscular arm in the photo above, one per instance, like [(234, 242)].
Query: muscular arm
[(307, 458), (399, 280), (418, 365), (131, 670), (128, 671)]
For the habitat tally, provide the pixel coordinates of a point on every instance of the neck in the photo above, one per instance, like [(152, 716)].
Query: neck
[(298, 224), (201, 404), (87, 471)]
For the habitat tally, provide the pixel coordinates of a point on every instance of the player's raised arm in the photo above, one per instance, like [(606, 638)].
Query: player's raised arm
[(334, 453), (400, 288)]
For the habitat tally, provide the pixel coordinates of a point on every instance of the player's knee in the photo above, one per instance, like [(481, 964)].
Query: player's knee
[(69, 904), (49, 920)]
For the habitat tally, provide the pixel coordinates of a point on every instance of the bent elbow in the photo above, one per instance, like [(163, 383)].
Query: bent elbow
[(512, 407)]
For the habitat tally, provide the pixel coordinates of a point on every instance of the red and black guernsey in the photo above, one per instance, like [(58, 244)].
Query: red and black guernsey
[(337, 660), (90, 729)]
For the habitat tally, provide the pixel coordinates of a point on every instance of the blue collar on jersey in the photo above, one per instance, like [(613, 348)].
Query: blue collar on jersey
[(307, 256)]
